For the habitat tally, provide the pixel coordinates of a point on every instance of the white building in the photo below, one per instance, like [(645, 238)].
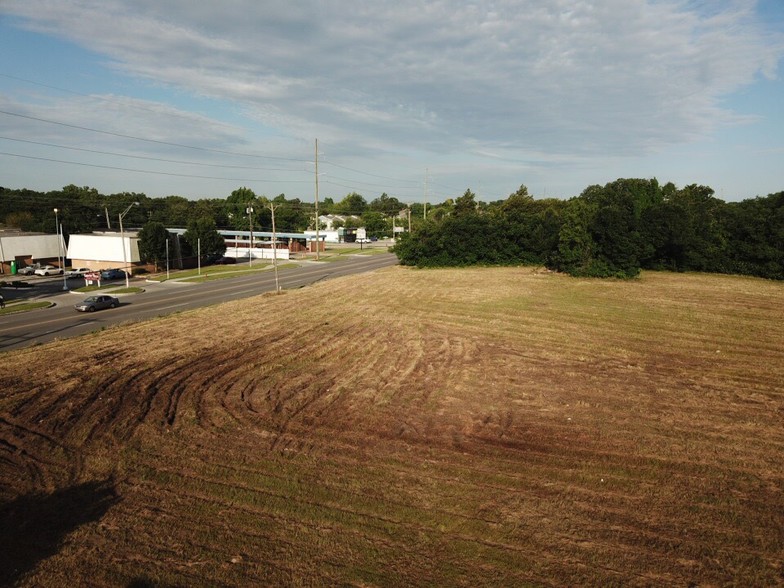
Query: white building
[(25, 249), (104, 251)]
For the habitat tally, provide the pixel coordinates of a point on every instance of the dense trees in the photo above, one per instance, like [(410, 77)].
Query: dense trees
[(608, 231)]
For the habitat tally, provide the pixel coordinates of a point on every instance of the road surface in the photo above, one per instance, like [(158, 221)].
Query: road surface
[(62, 321)]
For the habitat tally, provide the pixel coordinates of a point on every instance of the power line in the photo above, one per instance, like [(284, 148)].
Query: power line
[(143, 171), (154, 141), (148, 158)]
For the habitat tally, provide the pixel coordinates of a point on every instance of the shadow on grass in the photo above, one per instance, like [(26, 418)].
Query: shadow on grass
[(32, 527)]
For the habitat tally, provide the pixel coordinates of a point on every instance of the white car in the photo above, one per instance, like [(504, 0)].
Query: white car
[(78, 271), (48, 270)]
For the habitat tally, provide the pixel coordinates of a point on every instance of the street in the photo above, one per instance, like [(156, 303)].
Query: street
[(159, 299)]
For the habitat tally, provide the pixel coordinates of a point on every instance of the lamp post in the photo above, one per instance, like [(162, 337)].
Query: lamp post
[(57, 232), (122, 239), (58, 228), (249, 210)]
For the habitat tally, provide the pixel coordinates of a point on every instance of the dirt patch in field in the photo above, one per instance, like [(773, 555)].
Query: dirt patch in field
[(473, 427)]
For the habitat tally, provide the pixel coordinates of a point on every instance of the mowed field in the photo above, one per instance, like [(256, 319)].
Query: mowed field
[(480, 427)]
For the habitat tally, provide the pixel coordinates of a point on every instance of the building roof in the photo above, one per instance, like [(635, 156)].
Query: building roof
[(30, 245), (246, 234)]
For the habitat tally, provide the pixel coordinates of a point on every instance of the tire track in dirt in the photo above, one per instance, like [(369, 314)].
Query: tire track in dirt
[(47, 463)]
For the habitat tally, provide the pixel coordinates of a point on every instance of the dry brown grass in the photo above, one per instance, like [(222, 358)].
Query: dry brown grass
[(458, 427)]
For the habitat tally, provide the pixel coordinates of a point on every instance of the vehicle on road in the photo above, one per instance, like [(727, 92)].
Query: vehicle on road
[(112, 274), (48, 270), (78, 271), (93, 303), (225, 260), (28, 270)]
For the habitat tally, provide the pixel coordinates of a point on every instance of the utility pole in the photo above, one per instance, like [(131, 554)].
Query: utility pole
[(249, 211), (274, 249), (318, 243), (426, 171), (122, 240), (409, 219), (108, 224)]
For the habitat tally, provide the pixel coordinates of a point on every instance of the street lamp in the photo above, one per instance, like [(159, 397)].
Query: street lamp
[(60, 253), (57, 232), (122, 239)]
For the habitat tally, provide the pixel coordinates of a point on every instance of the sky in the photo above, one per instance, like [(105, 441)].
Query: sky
[(417, 100)]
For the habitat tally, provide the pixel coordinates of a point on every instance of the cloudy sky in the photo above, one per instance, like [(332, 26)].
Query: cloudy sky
[(409, 98)]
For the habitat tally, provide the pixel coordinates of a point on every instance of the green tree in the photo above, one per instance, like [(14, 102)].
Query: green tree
[(386, 205), (576, 247), (353, 204), (203, 229), (152, 242), (755, 236), (375, 224), (704, 238), (239, 216), (465, 204)]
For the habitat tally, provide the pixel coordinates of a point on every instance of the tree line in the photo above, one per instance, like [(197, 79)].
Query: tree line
[(613, 230), (84, 210)]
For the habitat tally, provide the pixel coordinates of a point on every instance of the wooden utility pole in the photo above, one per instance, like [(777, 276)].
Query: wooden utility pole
[(318, 242), (249, 210), (274, 249), (426, 171)]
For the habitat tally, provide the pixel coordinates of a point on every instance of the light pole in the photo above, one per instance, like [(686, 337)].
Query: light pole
[(57, 232), (249, 210), (60, 253), (122, 240)]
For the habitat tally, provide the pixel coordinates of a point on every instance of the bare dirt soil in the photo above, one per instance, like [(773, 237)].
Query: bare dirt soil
[(483, 427)]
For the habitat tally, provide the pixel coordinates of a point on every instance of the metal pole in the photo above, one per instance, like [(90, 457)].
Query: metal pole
[(249, 210), (122, 239), (198, 256), (125, 262), (167, 256), (57, 232), (61, 247)]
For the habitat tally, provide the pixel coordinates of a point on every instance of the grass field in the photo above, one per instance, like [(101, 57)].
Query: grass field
[(483, 427)]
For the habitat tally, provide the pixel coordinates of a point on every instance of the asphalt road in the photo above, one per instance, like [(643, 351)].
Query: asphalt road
[(159, 299)]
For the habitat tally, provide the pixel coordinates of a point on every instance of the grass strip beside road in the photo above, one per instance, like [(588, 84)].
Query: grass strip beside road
[(14, 307)]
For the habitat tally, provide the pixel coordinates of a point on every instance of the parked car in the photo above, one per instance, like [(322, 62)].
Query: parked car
[(78, 271), (225, 260), (93, 303), (48, 270), (28, 270), (112, 274), (210, 258)]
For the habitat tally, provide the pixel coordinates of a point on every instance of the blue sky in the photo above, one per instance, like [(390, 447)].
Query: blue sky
[(198, 99)]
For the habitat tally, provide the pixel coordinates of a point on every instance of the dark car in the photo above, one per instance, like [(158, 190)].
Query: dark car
[(225, 260), (210, 259), (93, 303), (112, 274)]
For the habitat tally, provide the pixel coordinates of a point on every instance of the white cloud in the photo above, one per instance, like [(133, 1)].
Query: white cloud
[(563, 78)]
